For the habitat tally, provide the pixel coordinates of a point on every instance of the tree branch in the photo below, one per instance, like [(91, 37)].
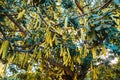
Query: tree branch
[(15, 22), (79, 7), (72, 19), (66, 69), (31, 50), (105, 5), (43, 19), (83, 71)]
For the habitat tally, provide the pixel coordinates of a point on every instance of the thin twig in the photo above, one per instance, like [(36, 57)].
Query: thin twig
[(65, 68), (79, 6), (5, 37), (14, 21), (71, 19), (29, 50), (1, 30), (85, 6), (105, 5), (43, 19)]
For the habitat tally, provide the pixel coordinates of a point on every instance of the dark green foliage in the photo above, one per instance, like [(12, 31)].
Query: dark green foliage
[(72, 48), (74, 22), (67, 4), (113, 39), (38, 2), (53, 40), (1, 17)]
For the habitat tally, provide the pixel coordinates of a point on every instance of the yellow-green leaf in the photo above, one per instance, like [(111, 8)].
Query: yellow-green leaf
[(61, 50), (95, 73), (75, 77), (69, 57), (41, 66), (20, 15), (94, 53), (91, 66), (72, 66), (104, 50), (54, 37), (50, 41), (25, 60), (5, 50), (36, 24), (78, 59), (66, 22)]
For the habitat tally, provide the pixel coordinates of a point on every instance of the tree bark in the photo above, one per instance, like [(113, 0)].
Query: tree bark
[(83, 72)]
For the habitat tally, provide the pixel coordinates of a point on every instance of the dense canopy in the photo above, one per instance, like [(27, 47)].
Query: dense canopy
[(60, 39)]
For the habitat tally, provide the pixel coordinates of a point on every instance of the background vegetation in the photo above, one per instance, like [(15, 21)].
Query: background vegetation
[(59, 39)]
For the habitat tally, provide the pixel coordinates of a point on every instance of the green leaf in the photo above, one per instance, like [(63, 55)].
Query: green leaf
[(66, 22), (96, 22), (94, 53), (106, 26), (20, 15), (104, 50), (98, 28), (5, 49)]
